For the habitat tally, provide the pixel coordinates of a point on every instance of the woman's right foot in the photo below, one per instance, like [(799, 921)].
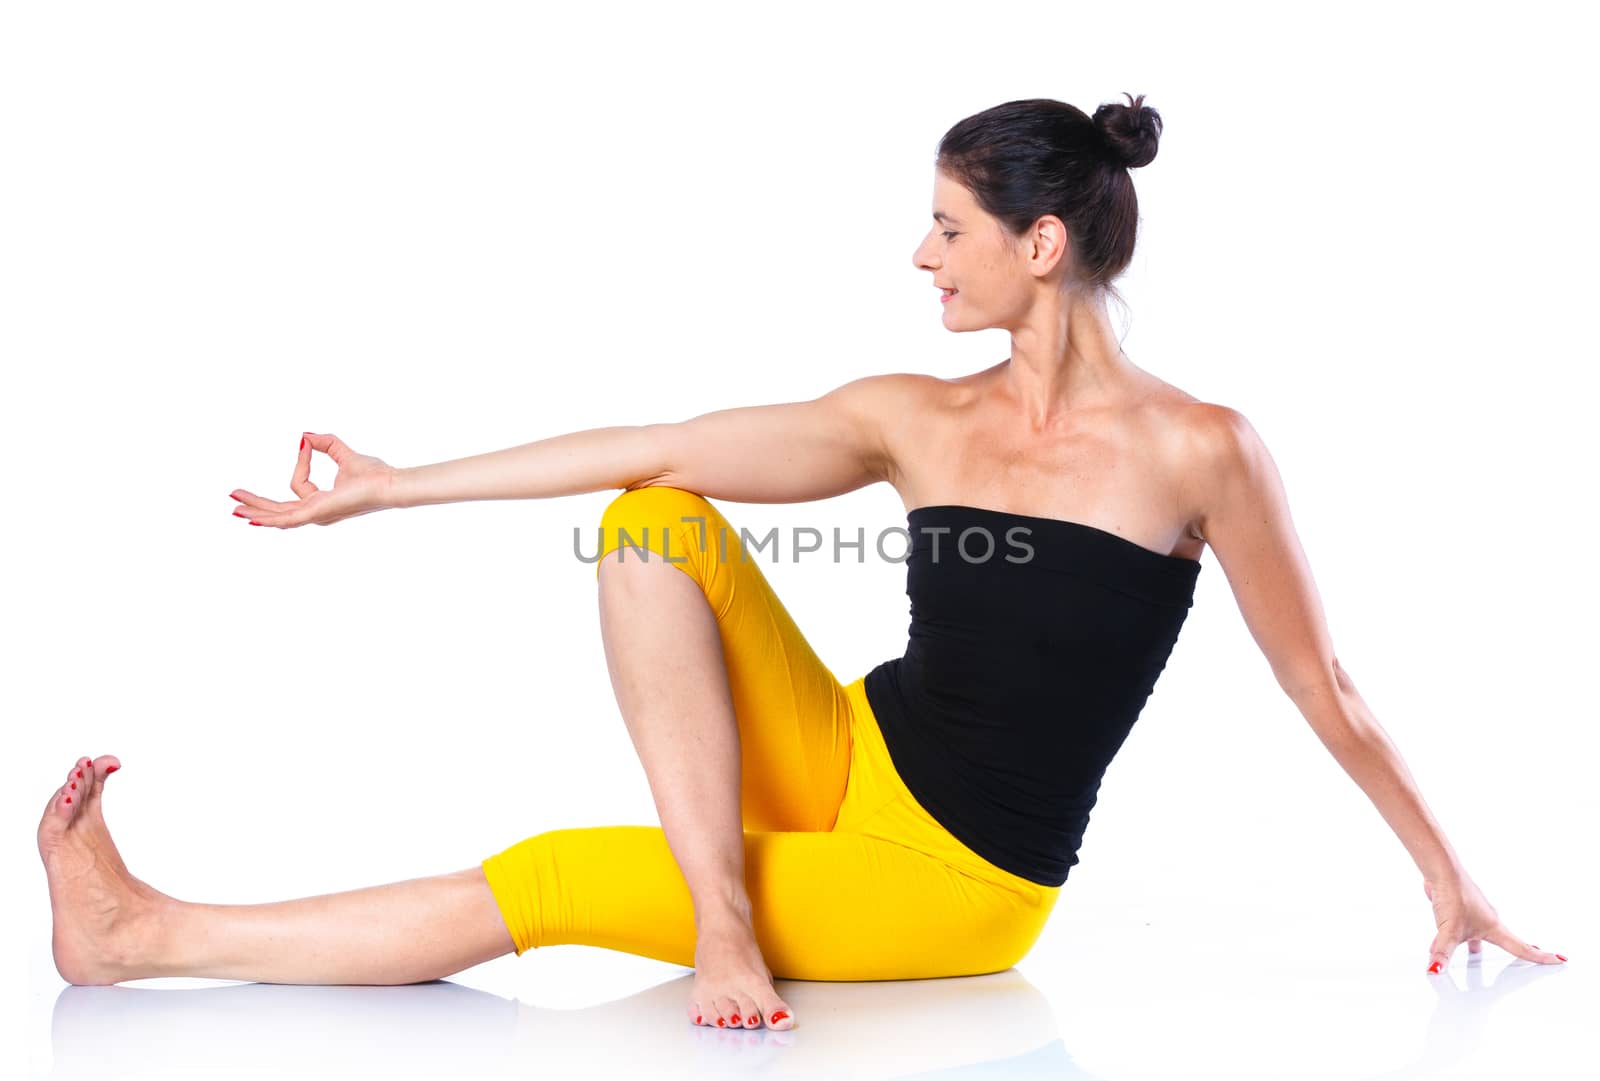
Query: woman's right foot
[(732, 984), (105, 919)]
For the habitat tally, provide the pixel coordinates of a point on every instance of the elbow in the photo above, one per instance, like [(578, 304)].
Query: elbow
[(1341, 678), (1328, 679)]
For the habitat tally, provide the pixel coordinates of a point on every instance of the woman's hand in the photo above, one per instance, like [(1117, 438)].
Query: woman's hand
[(362, 485), (1463, 914)]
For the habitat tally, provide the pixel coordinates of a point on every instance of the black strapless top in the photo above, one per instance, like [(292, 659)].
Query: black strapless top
[(1033, 646)]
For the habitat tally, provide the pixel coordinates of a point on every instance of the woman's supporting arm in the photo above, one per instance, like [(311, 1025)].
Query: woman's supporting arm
[(1347, 728), (1240, 508)]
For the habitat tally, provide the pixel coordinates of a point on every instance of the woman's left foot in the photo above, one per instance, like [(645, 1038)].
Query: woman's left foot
[(105, 919)]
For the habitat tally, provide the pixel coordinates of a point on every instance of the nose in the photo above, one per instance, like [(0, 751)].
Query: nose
[(921, 261)]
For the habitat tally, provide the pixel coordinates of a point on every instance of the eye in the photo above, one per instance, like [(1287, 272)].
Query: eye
[(948, 235)]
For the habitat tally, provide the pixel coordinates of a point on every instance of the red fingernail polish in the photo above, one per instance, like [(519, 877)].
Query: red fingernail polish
[(302, 442), (779, 1016), (1560, 958), (112, 769)]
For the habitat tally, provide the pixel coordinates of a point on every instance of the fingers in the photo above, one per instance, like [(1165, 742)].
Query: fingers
[(313, 504), (256, 502), (267, 511), (1513, 945), (300, 483), (1443, 947), (331, 445)]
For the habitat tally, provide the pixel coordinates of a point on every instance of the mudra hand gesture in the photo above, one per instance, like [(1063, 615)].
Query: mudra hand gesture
[(362, 485), (1463, 914)]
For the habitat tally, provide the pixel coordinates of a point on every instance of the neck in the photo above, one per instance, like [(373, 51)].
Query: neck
[(1064, 358)]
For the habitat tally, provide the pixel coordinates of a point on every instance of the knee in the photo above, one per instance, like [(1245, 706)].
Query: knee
[(640, 520)]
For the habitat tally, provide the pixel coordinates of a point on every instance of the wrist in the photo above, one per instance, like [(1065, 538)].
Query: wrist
[(396, 491), (1447, 868)]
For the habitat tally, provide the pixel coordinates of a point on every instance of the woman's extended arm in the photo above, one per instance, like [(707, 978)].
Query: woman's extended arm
[(1239, 507), (792, 452)]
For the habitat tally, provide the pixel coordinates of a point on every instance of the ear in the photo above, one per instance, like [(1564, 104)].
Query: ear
[(1048, 246)]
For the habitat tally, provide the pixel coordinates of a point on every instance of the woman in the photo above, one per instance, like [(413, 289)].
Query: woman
[(920, 820)]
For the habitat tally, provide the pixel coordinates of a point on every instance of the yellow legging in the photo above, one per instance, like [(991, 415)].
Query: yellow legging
[(849, 877)]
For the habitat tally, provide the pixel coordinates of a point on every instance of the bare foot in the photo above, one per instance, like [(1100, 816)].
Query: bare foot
[(732, 984), (104, 917)]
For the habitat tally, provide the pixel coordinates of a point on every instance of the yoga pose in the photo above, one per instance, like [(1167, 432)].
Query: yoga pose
[(921, 819)]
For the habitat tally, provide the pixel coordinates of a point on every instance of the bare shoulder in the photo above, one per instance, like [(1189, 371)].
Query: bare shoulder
[(888, 388), (886, 409), (1200, 426), (1209, 443), (886, 403)]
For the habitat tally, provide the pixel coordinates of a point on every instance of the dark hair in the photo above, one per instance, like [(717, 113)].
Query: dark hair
[(1025, 159)]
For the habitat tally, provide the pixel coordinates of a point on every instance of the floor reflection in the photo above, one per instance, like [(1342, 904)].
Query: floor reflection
[(963, 1029), (980, 1026), (1460, 1013)]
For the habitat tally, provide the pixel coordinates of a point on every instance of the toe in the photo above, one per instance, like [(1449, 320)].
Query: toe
[(777, 1014), (62, 804), (98, 769), (749, 1016)]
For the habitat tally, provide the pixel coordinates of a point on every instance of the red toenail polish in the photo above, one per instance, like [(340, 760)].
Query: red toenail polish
[(69, 799), (720, 1022), (80, 773), (112, 769), (697, 1019), (779, 1016), (74, 786), (736, 1019), (302, 442), (253, 522), (1433, 969)]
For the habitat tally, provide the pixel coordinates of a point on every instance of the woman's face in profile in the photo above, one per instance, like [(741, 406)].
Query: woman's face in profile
[(966, 250)]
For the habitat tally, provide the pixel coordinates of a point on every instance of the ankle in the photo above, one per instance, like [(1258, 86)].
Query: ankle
[(151, 940), (723, 913)]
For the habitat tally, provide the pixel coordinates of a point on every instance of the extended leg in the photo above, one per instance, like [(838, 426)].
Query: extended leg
[(111, 926), (402, 932)]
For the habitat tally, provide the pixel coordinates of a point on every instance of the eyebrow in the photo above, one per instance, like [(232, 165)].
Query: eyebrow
[(939, 215)]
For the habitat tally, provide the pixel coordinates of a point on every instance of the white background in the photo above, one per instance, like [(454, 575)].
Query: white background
[(441, 229)]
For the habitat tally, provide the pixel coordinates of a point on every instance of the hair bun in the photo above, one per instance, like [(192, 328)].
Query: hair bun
[(1130, 131)]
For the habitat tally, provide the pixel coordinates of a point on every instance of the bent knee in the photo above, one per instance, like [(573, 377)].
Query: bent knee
[(640, 520)]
